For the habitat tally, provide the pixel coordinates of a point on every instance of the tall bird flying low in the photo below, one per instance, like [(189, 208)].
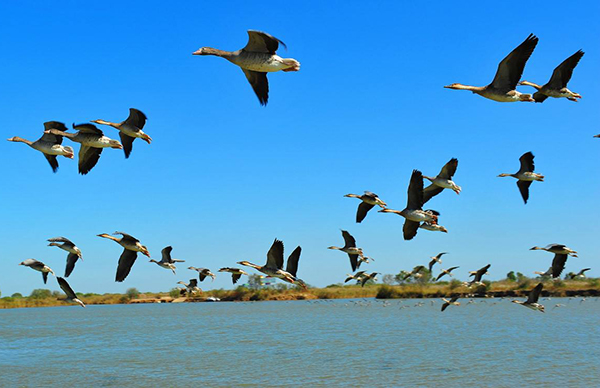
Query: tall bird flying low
[(236, 273), (92, 142), (350, 248), (503, 87), (436, 259), (130, 129), (477, 276), (67, 245), (442, 181), (561, 253), (446, 272), (38, 266), (452, 301), (166, 261), (525, 175), (532, 299), (71, 295), (274, 265), (256, 60), (50, 145), (557, 86), (369, 200), (203, 273), (131, 247), (414, 212)]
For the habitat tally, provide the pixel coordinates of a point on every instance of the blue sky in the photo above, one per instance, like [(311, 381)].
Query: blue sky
[(225, 176)]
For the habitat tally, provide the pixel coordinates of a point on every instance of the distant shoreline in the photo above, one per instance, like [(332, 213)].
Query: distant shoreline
[(572, 288)]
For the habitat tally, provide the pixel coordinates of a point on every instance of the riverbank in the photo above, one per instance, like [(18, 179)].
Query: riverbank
[(584, 288)]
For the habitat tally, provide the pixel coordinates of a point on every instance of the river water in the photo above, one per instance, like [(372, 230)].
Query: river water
[(364, 342)]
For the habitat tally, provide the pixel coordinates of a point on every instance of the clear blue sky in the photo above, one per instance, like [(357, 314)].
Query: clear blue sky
[(225, 176)]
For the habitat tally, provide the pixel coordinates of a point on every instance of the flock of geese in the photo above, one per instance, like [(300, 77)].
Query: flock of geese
[(256, 59)]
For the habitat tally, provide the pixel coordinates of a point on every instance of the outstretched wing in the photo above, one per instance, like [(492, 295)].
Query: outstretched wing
[(410, 229), (88, 128), (275, 255), (88, 157), (449, 169), (430, 192), (127, 142), (563, 72), (535, 293), (558, 264), (261, 42), (61, 239), (362, 211), (527, 164), (125, 263), (71, 260), (415, 191), (53, 161), (353, 261), (524, 189), (292, 262), (260, 84), (66, 288), (511, 68), (539, 97), (349, 241), (51, 138), (136, 118), (166, 254)]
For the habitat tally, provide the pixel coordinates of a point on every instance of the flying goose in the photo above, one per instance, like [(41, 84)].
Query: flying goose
[(129, 129), (50, 145), (38, 266), (256, 60), (442, 181), (557, 86), (366, 277), (525, 175), (477, 276), (132, 246), (446, 272), (191, 287), (532, 299), (357, 276), (292, 266), (71, 296), (503, 87), (236, 273), (350, 248), (274, 265), (363, 259), (67, 245), (203, 273), (436, 259), (92, 142), (166, 261), (369, 200), (580, 274), (433, 225), (452, 301), (414, 212), (556, 248), (416, 272)]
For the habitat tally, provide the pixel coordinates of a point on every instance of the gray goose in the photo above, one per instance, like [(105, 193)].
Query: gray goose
[(436, 259), (130, 129), (414, 212), (503, 87), (369, 200), (92, 142), (477, 276), (191, 287), (67, 245), (350, 248), (442, 181), (452, 301), (71, 295), (256, 59), (274, 265), (50, 145), (166, 261), (236, 273), (580, 274), (525, 175), (532, 299), (445, 272), (557, 86), (38, 266), (203, 273), (415, 273), (131, 247), (561, 253), (366, 277)]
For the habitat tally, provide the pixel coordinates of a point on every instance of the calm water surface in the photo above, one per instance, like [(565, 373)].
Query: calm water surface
[(357, 342)]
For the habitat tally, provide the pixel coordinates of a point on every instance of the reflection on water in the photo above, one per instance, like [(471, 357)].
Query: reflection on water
[(343, 342)]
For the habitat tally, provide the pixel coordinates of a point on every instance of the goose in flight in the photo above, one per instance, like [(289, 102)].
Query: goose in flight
[(525, 175), (532, 299), (236, 273), (350, 248), (292, 266), (452, 301), (416, 272), (71, 295), (274, 265), (414, 212), (191, 287), (442, 181), (363, 259), (131, 247), (503, 87), (50, 145), (557, 86), (38, 266), (369, 200), (477, 276), (446, 272), (67, 245), (366, 277), (92, 142), (580, 274), (357, 276), (436, 259), (561, 253), (203, 273), (166, 261), (556, 248), (256, 60), (433, 225), (130, 129)]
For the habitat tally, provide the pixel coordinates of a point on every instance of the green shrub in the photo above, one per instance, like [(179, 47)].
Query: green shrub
[(40, 293)]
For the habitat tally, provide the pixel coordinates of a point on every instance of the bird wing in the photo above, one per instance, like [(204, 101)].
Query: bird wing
[(88, 157), (539, 97), (563, 72), (558, 264), (88, 128), (410, 229), (452, 269), (511, 68), (440, 276), (61, 239), (479, 274), (349, 241), (166, 254), (127, 142), (51, 138), (193, 283), (136, 118), (202, 276), (431, 263), (353, 261), (527, 164), (430, 192), (292, 262), (66, 288), (453, 299), (275, 255), (261, 42), (449, 169), (535, 294), (415, 191), (260, 84), (235, 277), (125, 263), (445, 305), (127, 236), (53, 161), (524, 189), (362, 211), (71, 260), (45, 276), (439, 255)]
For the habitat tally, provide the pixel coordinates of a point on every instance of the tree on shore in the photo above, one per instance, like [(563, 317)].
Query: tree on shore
[(132, 293)]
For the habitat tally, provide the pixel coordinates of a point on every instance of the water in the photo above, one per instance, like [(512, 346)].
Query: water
[(358, 342)]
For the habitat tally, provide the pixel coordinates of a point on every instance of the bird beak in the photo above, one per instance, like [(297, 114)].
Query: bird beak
[(197, 52)]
